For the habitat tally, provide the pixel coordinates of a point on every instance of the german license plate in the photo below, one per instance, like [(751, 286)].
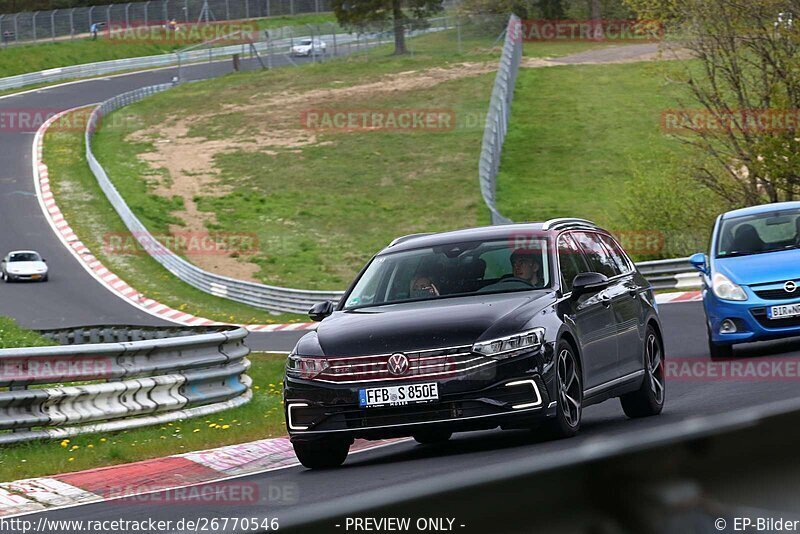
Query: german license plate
[(398, 395), (781, 312)]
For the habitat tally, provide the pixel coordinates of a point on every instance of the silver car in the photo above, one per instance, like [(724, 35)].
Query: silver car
[(23, 265)]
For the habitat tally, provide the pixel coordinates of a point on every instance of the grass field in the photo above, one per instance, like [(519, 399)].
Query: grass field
[(12, 336), (320, 201), (35, 57), (260, 418), (586, 141), (91, 216)]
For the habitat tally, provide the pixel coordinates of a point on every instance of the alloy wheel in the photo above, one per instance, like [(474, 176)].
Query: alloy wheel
[(569, 387), (655, 367)]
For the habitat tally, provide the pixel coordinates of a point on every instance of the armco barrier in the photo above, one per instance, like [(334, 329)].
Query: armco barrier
[(494, 133), (272, 298), (126, 377)]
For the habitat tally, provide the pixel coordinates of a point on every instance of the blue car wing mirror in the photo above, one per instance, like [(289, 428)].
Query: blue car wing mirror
[(700, 262)]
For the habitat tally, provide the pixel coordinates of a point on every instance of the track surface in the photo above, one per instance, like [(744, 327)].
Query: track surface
[(72, 297), (406, 463)]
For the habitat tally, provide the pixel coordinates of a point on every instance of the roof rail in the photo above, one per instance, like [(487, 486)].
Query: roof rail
[(398, 240), (566, 222)]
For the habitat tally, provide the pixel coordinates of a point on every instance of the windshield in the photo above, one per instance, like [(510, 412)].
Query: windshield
[(756, 234), (24, 256), (456, 269), (305, 42)]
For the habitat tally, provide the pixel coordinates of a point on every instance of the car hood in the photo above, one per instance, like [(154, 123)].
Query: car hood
[(26, 266), (419, 325), (761, 268)]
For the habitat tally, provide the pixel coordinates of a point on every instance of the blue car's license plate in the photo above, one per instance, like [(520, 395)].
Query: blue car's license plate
[(782, 312), (398, 395)]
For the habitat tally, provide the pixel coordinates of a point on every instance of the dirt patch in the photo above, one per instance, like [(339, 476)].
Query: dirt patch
[(188, 162)]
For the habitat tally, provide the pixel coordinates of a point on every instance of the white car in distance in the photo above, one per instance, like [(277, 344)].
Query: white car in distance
[(23, 265), (307, 47)]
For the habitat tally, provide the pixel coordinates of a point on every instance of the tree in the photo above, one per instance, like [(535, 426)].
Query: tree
[(401, 14), (746, 90)]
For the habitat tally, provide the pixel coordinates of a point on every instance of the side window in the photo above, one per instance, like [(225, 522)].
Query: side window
[(617, 255), (596, 254), (570, 260)]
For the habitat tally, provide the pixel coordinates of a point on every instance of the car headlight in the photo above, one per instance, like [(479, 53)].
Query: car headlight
[(510, 346), (305, 367), (725, 289)]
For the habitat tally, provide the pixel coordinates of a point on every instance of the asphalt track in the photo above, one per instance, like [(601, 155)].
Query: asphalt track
[(293, 493), (72, 297)]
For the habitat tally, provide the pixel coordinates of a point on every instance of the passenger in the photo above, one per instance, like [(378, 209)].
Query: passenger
[(422, 286)]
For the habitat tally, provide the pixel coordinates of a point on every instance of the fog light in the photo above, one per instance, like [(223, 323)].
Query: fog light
[(727, 327)]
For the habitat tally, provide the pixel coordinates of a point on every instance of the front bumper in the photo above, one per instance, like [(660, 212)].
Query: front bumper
[(510, 394), (750, 318), (16, 277)]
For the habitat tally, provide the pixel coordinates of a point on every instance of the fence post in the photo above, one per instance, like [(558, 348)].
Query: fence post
[(146, 13), (53, 24), (33, 23), (247, 9), (108, 17), (2, 32), (268, 9), (91, 17), (186, 10), (72, 23), (16, 28), (227, 10), (291, 7), (128, 15), (165, 10)]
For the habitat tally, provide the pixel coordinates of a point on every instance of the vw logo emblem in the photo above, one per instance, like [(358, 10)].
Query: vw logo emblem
[(789, 286), (398, 364)]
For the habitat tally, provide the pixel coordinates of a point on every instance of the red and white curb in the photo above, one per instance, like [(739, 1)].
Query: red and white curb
[(100, 272), (179, 476), (682, 296)]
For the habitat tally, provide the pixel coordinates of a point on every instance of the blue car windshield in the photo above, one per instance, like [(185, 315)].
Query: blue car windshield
[(760, 233), (452, 270)]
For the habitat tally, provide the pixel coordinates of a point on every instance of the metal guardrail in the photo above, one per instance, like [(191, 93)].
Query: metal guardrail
[(676, 274), (109, 378), (494, 133), (272, 298), (60, 24)]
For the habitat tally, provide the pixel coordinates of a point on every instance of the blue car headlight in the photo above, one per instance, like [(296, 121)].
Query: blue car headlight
[(725, 289), (510, 346)]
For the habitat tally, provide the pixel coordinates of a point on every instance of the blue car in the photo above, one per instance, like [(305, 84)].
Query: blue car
[(751, 279)]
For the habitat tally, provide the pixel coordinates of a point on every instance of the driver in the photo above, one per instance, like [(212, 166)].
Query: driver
[(422, 287), (524, 266)]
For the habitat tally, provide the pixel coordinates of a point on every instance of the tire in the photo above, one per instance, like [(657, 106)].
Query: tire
[(717, 351), (569, 396), (45, 278), (649, 399), (432, 436), (321, 454)]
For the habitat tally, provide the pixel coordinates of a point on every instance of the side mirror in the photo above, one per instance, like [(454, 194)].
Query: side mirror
[(585, 283), (700, 262), (321, 310), (44, 260)]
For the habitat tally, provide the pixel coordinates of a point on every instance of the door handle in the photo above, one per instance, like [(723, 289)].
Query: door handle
[(633, 291), (606, 300)]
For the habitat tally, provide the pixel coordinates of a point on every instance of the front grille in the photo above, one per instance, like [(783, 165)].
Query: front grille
[(760, 315), (777, 294), (429, 364)]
